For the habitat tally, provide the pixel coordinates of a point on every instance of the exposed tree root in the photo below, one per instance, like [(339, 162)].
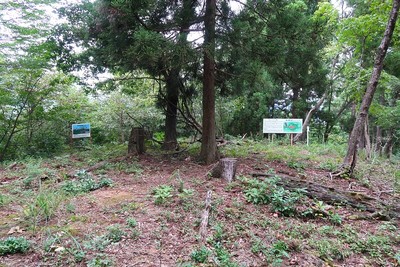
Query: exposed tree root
[(342, 172)]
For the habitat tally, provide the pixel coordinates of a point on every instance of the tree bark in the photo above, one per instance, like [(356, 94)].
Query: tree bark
[(173, 78), (225, 169), (378, 138), (172, 98), (209, 152), (350, 158), (136, 141), (368, 147), (379, 130), (388, 147), (295, 99)]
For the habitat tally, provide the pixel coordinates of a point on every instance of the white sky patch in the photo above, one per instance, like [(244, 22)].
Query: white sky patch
[(237, 6)]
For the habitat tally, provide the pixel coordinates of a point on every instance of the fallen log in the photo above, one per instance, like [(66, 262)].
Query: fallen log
[(332, 196), (204, 218)]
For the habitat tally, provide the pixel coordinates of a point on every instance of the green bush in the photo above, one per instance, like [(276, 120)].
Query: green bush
[(13, 245)]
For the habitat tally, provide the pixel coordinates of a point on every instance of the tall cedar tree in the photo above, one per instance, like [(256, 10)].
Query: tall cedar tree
[(209, 151), (124, 36)]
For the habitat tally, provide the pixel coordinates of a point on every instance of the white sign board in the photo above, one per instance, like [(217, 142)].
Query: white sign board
[(282, 125), (81, 130)]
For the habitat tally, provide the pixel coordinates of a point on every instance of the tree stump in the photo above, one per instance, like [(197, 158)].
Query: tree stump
[(136, 141), (226, 169)]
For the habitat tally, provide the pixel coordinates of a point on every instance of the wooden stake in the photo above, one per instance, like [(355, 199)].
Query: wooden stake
[(204, 218)]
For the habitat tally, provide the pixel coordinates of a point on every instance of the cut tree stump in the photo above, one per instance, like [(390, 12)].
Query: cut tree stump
[(225, 168), (136, 141), (332, 196), (204, 218)]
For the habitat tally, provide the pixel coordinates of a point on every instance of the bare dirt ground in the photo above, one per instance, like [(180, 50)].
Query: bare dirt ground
[(167, 234)]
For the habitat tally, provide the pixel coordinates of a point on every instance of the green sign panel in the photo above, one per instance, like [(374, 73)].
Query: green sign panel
[(292, 126)]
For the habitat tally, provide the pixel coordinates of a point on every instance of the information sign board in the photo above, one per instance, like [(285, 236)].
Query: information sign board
[(81, 130), (282, 125)]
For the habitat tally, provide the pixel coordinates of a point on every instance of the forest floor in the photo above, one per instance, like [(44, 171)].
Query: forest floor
[(146, 210)]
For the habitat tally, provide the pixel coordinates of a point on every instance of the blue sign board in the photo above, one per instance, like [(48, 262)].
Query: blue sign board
[(81, 130)]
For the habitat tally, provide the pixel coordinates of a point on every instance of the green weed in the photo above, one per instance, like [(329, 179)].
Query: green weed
[(4, 200), (100, 260), (162, 194), (268, 192), (335, 218), (44, 207), (275, 254), (297, 165), (85, 183), (200, 255), (331, 249), (115, 233), (284, 201), (13, 245), (56, 241), (97, 243), (131, 222), (376, 246)]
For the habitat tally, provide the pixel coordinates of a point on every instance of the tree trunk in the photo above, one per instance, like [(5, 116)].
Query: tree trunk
[(295, 99), (136, 141), (379, 131), (209, 152), (173, 80), (172, 84), (368, 147), (307, 121), (378, 144), (350, 158), (121, 126), (387, 149)]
